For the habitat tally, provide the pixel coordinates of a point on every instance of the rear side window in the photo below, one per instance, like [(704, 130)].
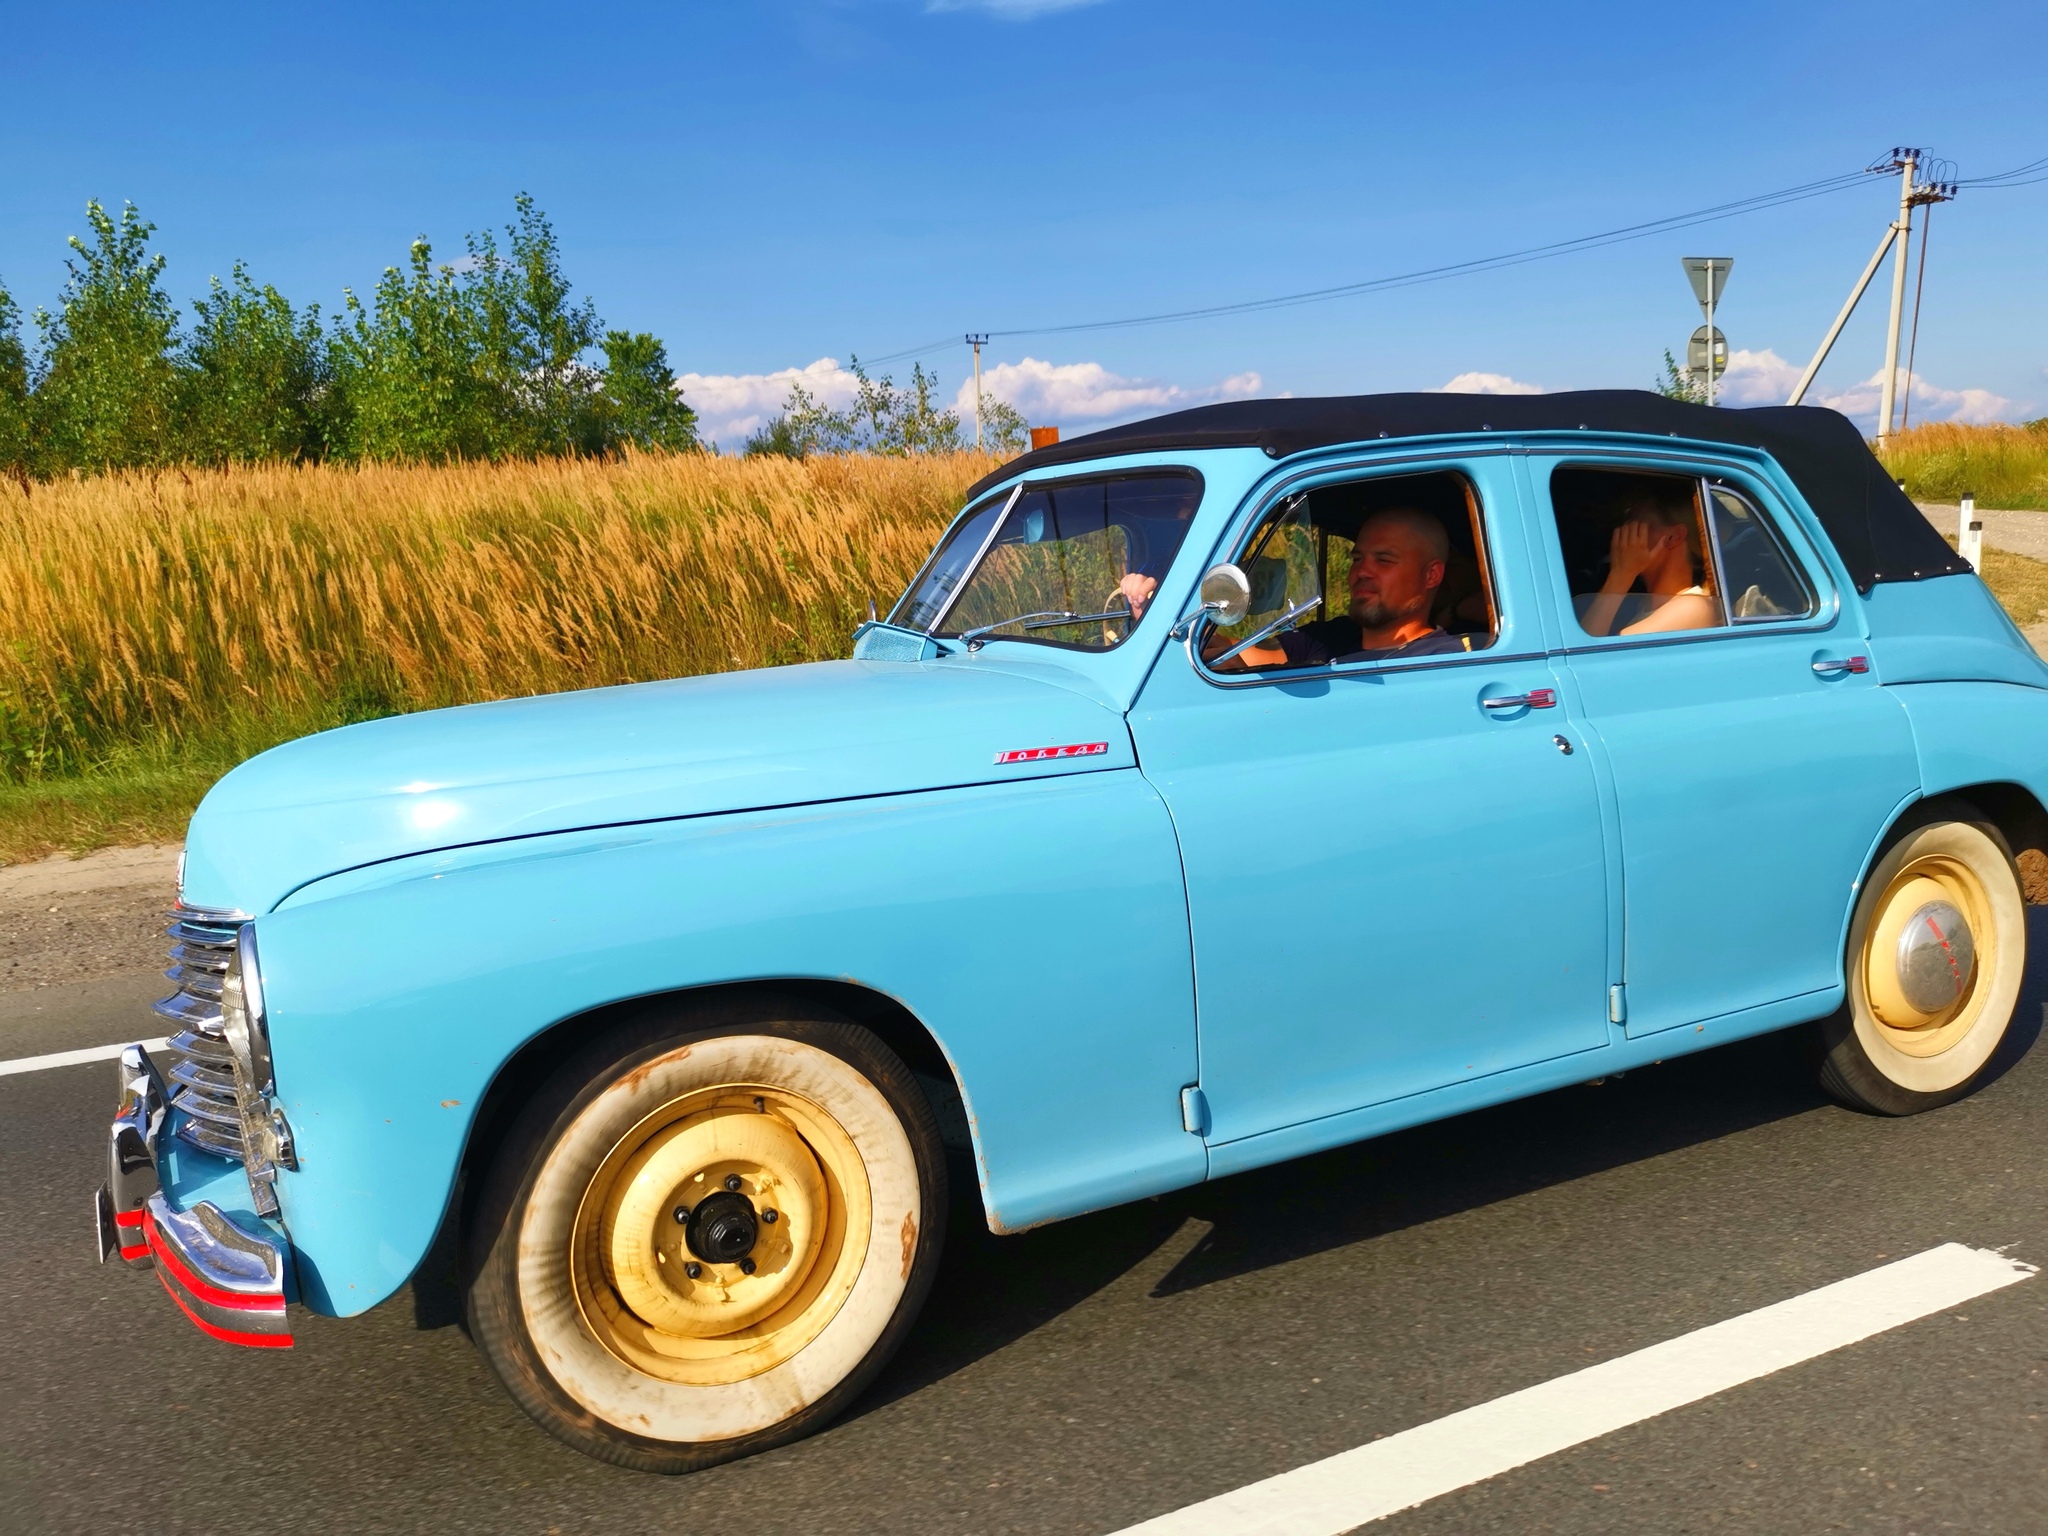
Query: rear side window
[(1655, 553)]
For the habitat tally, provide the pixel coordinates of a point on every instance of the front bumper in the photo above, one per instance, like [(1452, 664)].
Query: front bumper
[(232, 1281)]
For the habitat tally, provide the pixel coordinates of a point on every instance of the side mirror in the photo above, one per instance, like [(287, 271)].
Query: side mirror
[(1226, 594)]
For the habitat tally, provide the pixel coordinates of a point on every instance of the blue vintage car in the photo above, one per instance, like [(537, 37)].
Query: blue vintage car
[(1226, 787)]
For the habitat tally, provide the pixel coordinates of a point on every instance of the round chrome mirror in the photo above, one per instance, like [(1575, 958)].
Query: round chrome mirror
[(1226, 593)]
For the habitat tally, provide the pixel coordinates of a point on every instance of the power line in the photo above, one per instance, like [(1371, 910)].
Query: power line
[(1364, 286), (2036, 170), (2033, 171), (1466, 268)]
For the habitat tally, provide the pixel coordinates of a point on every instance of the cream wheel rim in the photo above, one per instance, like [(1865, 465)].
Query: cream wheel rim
[(1929, 1005)]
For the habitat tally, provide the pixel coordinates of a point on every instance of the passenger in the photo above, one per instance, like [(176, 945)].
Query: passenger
[(1397, 565), (1660, 545)]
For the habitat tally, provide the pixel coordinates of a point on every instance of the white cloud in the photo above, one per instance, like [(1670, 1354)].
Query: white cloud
[(1488, 384), (1010, 10), (731, 407), (1088, 393), (1764, 378)]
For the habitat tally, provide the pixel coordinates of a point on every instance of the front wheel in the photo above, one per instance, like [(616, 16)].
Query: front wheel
[(699, 1243), (1937, 948)]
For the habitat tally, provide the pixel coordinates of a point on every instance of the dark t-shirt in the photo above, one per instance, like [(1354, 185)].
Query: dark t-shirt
[(1315, 645)]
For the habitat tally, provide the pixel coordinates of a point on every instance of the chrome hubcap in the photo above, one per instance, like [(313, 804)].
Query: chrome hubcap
[(1937, 957)]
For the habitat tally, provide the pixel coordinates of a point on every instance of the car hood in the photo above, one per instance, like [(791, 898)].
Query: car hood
[(691, 747)]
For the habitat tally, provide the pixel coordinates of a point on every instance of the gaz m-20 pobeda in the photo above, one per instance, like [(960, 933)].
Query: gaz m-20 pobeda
[(1225, 787)]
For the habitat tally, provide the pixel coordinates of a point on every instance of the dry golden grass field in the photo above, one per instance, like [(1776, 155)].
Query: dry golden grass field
[(2004, 466), (157, 628)]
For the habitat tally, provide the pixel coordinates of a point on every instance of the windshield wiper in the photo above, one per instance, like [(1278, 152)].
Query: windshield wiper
[(977, 637)]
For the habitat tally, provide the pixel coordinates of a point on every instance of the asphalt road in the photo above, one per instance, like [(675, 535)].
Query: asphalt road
[(1093, 1374)]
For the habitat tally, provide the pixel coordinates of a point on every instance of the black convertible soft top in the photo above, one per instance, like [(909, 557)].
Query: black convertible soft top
[(1876, 529)]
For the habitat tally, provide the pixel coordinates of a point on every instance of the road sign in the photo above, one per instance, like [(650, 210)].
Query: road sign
[(1708, 276), (1696, 353)]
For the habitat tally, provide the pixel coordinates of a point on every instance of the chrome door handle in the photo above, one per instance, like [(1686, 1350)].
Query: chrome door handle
[(1535, 698), (1831, 668)]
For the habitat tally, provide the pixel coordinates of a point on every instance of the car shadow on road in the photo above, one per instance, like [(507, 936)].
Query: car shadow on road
[(993, 1291)]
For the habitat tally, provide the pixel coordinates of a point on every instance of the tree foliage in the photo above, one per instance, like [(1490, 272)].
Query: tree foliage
[(490, 357), (1679, 384), (883, 419), (253, 380), (106, 392), (14, 396)]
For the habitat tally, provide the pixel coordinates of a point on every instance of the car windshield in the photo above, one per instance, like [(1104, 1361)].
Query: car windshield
[(1071, 564)]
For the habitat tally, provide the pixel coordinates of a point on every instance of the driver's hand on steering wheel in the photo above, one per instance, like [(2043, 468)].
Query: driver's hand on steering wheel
[(1135, 590)]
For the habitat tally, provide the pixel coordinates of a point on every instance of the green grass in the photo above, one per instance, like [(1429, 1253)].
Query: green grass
[(2003, 467)]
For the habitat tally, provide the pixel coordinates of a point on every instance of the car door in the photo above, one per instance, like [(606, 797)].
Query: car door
[(1754, 760), (1395, 872)]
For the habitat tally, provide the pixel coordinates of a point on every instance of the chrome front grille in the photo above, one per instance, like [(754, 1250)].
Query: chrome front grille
[(202, 1080)]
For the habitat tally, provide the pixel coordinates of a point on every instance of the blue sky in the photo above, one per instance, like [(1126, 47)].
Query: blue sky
[(767, 186)]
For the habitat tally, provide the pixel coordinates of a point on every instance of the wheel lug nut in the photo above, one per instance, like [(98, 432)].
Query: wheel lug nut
[(694, 1271), (732, 1182), (746, 1266), (682, 1214), (771, 1216)]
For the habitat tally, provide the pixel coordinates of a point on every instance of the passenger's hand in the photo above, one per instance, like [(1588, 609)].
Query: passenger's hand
[(1630, 552), (1136, 590)]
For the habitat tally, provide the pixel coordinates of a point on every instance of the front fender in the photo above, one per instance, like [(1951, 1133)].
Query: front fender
[(1039, 930)]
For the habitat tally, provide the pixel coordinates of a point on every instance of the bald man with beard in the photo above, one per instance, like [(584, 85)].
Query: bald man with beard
[(1397, 564)]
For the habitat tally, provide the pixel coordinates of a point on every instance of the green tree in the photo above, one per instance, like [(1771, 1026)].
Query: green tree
[(1678, 384), (1003, 427), (14, 395), (639, 402), (106, 392), (881, 419), (777, 439), (253, 376), (533, 338), (410, 373)]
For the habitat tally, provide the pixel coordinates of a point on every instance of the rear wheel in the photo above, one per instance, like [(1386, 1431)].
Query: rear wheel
[(1937, 948), (699, 1243)]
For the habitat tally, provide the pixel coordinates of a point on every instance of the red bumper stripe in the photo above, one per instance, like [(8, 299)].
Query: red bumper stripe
[(139, 1251), (128, 1218), (199, 1287), (230, 1335)]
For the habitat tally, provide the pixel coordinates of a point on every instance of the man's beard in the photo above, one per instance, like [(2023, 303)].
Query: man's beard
[(1378, 613)]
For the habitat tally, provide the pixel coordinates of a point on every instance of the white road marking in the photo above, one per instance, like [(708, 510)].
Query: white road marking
[(1353, 1487), (73, 1058)]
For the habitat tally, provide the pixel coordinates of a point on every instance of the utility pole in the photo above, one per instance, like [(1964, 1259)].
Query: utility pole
[(1907, 161), (1938, 190), (977, 340)]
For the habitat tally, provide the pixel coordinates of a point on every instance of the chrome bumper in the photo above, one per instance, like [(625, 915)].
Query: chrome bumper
[(230, 1281)]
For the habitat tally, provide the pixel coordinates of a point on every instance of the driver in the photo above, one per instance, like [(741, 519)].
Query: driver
[(1397, 564)]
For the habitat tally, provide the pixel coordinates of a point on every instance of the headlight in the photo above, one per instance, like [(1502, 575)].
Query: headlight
[(241, 1015)]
